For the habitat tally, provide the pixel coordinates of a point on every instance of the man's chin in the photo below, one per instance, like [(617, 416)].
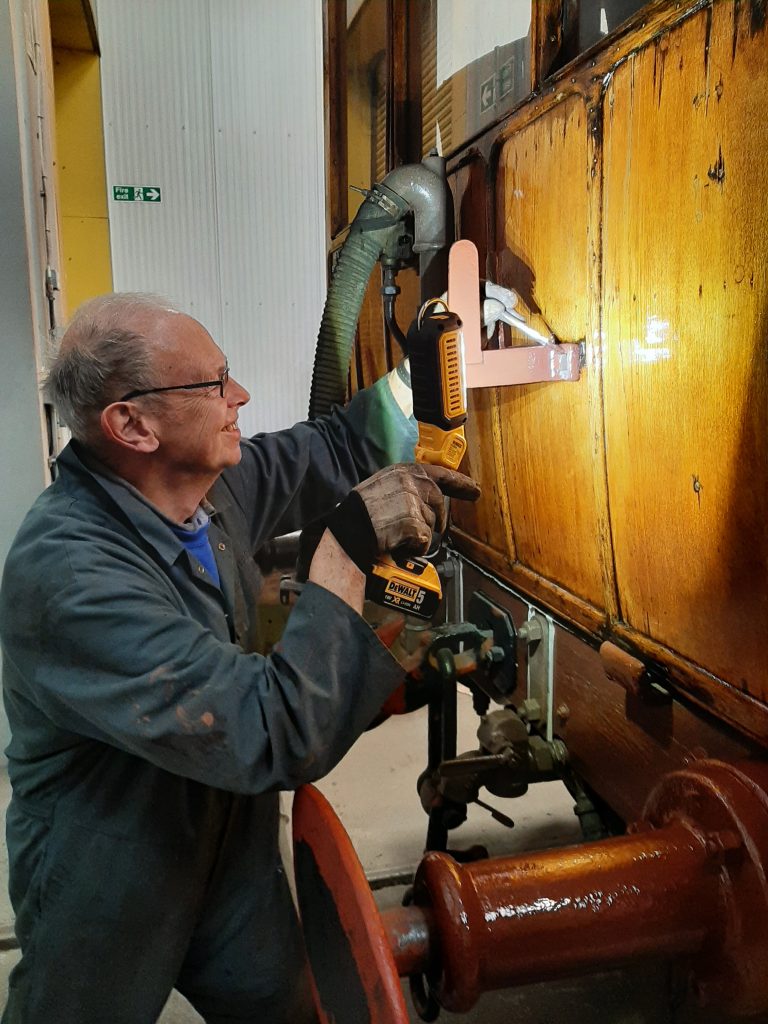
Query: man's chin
[(233, 457)]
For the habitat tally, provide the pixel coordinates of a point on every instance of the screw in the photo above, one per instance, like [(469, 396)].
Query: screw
[(563, 712)]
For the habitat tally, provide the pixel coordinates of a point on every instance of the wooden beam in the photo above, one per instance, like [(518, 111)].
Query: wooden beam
[(335, 95)]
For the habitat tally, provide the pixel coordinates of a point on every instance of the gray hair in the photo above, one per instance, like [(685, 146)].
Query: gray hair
[(103, 355)]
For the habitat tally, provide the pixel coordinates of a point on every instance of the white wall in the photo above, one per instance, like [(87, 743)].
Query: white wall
[(219, 103)]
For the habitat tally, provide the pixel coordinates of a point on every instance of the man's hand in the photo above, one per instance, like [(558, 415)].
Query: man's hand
[(405, 503), (397, 508)]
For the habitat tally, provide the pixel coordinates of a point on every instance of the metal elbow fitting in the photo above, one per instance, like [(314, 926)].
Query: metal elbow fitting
[(425, 189)]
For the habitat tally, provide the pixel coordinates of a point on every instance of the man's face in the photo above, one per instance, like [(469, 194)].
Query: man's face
[(197, 429)]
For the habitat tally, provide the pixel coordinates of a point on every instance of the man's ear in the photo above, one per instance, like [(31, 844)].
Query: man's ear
[(124, 425)]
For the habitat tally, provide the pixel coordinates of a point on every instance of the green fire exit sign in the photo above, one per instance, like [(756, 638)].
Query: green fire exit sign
[(136, 194)]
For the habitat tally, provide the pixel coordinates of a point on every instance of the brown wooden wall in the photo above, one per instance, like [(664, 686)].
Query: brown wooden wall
[(627, 203)]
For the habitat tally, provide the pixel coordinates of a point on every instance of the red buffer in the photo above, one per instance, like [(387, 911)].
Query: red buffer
[(687, 882)]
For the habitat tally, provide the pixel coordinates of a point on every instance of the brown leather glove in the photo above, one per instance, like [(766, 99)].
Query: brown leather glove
[(396, 509), (405, 503)]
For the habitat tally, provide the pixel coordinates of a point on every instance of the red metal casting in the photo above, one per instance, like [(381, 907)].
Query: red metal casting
[(688, 881), (509, 921), (729, 804), (360, 958)]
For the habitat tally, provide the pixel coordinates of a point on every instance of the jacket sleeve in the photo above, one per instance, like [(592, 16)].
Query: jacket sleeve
[(115, 658), (288, 478)]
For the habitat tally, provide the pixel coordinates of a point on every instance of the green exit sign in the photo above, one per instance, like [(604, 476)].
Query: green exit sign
[(136, 194)]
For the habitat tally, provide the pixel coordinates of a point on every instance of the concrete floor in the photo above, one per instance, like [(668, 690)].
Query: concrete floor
[(373, 791)]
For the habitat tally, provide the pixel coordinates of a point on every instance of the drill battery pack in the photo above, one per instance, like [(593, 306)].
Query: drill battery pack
[(409, 585)]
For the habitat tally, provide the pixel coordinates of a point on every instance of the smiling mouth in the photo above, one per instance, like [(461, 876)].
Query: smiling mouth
[(231, 428)]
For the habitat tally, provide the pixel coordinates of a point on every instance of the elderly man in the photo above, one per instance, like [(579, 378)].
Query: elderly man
[(148, 742)]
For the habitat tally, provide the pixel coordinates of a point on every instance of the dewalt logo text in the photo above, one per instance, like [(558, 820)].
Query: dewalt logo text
[(399, 589)]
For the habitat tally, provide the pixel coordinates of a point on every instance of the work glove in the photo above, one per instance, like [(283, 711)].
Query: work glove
[(405, 504), (499, 307), (395, 510)]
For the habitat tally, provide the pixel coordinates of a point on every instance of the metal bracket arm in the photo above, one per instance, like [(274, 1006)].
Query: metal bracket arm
[(525, 364)]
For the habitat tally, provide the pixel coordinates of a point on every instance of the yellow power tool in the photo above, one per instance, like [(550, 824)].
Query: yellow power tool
[(411, 584)]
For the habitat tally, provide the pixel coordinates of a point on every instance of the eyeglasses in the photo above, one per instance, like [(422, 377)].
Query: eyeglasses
[(220, 383)]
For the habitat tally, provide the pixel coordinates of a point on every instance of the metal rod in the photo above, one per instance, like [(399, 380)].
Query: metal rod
[(408, 934)]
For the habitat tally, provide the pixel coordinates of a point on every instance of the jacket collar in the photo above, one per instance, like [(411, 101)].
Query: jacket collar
[(146, 519)]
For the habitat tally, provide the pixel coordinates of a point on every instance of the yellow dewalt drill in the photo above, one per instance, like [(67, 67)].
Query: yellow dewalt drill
[(411, 584)]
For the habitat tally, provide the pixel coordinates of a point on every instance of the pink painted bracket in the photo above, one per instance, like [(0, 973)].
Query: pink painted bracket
[(523, 364)]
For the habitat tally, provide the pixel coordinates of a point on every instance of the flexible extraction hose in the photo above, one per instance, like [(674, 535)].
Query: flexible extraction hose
[(367, 239), (419, 189)]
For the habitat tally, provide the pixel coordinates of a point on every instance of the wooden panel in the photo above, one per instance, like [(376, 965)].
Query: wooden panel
[(549, 461), (335, 96), (625, 202), (685, 330), (470, 202), (488, 520), (370, 349), (367, 67), (622, 745), (547, 22)]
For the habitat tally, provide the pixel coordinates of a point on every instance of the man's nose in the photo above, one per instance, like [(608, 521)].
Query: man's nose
[(235, 393)]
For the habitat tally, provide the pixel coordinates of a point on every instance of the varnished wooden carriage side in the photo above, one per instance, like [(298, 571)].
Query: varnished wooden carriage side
[(625, 201)]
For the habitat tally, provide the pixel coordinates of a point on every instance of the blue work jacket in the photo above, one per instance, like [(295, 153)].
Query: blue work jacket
[(142, 722)]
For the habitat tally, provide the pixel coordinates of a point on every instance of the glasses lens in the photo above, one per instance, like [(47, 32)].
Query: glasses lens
[(224, 380)]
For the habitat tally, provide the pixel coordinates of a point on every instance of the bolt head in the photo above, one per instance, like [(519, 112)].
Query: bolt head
[(529, 710)]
